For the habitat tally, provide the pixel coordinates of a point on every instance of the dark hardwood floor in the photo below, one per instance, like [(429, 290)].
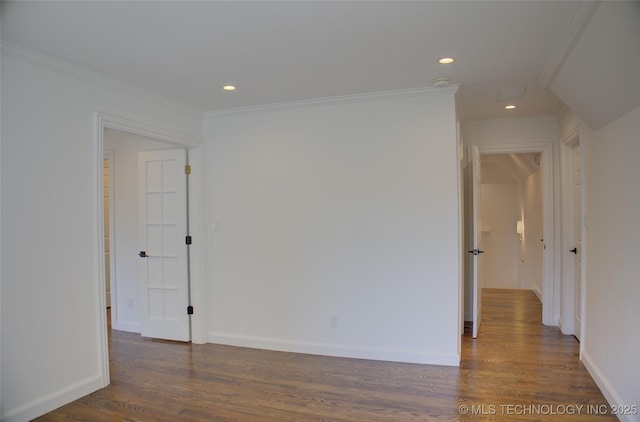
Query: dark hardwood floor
[(518, 368)]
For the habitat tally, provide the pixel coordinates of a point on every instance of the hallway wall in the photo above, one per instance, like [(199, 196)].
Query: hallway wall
[(612, 266), (500, 209)]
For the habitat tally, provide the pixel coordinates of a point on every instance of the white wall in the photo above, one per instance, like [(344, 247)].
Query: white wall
[(50, 172), (343, 209), (500, 209), (125, 175), (611, 311)]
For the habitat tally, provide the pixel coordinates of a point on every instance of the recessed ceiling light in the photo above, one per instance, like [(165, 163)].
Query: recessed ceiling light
[(509, 107), (229, 88), (446, 60)]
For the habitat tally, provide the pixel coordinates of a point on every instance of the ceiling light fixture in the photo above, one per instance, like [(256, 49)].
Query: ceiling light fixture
[(229, 88), (446, 60), (509, 107)]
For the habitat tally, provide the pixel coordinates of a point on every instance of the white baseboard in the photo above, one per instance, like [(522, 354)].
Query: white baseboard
[(130, 327), (607, 389), (338, 350), (536, 290), (52, 401)]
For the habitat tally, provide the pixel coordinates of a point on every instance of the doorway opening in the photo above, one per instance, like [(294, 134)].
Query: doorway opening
[(115, 140), (511, 221), (525, 223), (129, 303)]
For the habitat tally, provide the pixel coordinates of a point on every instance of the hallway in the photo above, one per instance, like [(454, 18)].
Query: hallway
[(516, 362)]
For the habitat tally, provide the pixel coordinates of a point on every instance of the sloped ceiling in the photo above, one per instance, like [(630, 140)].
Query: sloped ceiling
[(599, 78), (502, 169)]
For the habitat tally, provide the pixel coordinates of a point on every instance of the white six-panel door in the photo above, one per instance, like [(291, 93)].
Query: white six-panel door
[(162, 196)]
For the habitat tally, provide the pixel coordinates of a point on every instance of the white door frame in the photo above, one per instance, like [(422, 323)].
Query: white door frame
[(567, 144), (550, 291), (476, 247), (193, 144), (110, 155)]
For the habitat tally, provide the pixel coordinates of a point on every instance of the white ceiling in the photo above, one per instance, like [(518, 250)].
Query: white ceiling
[(286, 51)]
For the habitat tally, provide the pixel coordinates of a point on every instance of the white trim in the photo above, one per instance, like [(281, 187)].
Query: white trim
[(130, 327), (537, 292), (54, 400), (570, 36), (461, 234), (568, 142), (342, 99), (149, 131), (511, 120), (102, 122), (337, 350), (584, 237), (0, 224), (95, 78), (196, 221), (550, 294), (609, 393), (98, 233)]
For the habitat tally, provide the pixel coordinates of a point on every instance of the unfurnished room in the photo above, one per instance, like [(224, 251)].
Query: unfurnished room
[(319, 210)]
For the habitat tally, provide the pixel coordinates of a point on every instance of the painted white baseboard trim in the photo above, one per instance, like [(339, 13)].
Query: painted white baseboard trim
[(607, 389), (338, 350), (536, 290), (54, 400), (130, 327)]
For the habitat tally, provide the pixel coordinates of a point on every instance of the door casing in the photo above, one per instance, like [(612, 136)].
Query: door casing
[(567, 145), (193, 144), (550, 287)]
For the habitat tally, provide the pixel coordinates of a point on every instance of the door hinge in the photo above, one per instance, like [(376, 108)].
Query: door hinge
[(188, 240), (189, 310), (187, 169)]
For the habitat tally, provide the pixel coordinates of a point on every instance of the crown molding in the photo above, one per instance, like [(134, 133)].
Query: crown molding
[(29, 56), (77, 72), (571, 137), (540, 119), (110, 122), (342, 99), (570, 36)]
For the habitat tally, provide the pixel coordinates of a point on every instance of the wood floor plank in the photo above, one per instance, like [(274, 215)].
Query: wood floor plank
[(516, 361)]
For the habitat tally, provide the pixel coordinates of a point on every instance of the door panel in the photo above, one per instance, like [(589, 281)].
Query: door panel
[(577, 207), (477, 249), (162, 195)]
